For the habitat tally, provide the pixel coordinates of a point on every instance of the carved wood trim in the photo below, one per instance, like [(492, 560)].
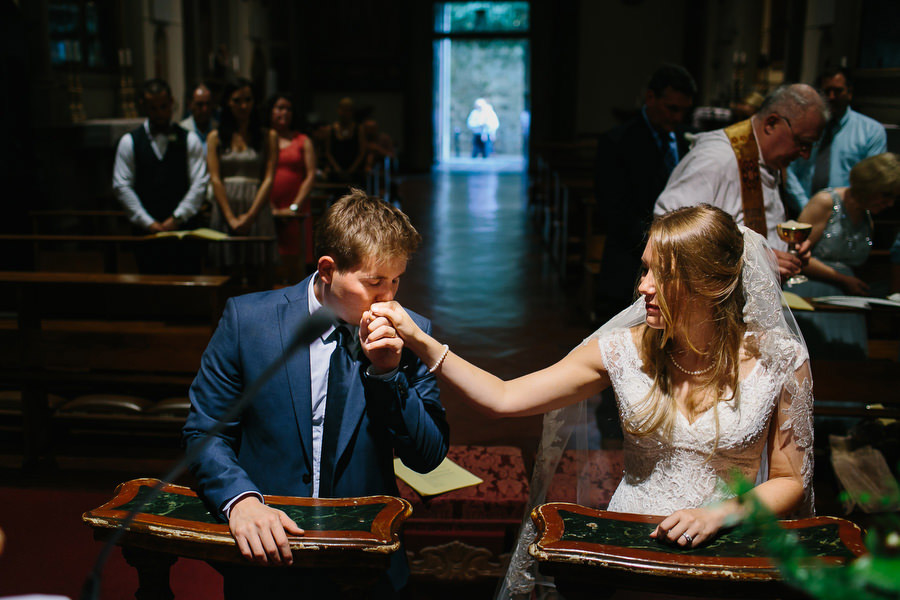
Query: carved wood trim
[(457, 561)]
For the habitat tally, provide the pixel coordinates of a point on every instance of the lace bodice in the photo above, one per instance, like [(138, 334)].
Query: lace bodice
[(690, 470), (844, 241)]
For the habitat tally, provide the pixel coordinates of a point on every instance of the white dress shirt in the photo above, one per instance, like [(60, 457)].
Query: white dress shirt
[(124, 177), (319, 362), (709, 174)]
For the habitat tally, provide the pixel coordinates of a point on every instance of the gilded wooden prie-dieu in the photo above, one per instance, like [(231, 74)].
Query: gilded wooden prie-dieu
[(596, 551), (356, 534)]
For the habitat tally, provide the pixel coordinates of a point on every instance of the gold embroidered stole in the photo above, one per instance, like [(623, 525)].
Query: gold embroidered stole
[(743, 142)]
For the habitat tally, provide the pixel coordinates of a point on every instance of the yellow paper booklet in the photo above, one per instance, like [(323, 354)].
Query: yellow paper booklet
[(795, 302), (446, 477), (202, 233)]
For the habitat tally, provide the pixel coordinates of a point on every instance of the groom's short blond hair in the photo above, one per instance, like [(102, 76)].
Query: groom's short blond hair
[(359, 227)]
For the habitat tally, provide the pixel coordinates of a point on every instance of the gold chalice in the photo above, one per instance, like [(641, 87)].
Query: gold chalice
[(794, 233)]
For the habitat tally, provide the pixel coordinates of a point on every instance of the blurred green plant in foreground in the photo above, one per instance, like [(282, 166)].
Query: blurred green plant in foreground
[(874, 576)]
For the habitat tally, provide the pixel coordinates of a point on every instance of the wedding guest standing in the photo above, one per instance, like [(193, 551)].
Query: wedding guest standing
[(294, 179), (849, 137), (345, 147), (201, 120), (242, 156), (160, 178), (634, 161)]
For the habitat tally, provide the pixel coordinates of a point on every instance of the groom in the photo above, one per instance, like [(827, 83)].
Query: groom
[(331, 421)]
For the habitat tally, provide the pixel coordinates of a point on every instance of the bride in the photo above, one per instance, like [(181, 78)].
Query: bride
[(709, 373)]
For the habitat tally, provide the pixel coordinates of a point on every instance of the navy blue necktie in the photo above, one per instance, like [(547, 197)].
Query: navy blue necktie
[(669, 157), (340, 374)]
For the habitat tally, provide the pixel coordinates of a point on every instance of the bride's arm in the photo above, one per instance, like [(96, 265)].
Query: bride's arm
[(579, 375)]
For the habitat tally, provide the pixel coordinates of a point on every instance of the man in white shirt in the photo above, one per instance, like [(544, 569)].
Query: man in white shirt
[(160, 171), (483, 123), (160, 178), (786, 126)]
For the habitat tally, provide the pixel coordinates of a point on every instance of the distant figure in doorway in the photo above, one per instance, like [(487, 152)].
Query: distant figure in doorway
[(484, 124)]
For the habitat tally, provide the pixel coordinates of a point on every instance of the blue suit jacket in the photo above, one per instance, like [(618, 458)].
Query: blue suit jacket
[(269, 448)]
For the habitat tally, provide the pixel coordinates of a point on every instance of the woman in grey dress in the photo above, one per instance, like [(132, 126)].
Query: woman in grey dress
[(241, 157), (841, 238)]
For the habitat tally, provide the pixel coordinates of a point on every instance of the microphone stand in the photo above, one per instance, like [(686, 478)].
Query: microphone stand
[(313, 327)]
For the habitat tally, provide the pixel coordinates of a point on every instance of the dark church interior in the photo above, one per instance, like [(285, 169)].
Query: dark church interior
[(527, 142)]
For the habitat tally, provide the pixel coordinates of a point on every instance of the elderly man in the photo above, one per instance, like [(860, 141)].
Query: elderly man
[(200, 120), (739, 168), (849, 138)]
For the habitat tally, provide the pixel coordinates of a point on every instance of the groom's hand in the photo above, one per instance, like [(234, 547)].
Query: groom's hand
[(260, 532), (399, 319), (380, 343)]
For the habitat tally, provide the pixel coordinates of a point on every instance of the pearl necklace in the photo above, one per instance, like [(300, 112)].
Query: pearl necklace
[(685, 371)]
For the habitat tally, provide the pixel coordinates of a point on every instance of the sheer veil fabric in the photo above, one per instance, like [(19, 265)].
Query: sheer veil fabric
[(771, 330)]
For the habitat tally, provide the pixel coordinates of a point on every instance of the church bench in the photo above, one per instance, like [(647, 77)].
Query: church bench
[(110, 250), (116, 335), (856, 388)]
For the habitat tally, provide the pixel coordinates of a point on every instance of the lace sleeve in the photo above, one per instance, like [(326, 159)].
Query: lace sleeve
[(792, 432)]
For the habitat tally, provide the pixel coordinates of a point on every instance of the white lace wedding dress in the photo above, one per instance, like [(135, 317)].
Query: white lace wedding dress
[(693, 467)]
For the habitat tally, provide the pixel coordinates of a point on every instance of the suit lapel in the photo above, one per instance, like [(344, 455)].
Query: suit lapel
[(291, 314)]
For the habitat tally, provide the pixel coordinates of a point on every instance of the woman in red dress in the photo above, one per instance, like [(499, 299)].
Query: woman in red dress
[(294, 178)]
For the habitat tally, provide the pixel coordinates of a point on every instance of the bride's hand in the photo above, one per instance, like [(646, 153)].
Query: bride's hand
[(690, 527), (399, 318)]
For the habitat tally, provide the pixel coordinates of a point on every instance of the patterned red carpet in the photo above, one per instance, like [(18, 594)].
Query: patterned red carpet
[(50, 551)]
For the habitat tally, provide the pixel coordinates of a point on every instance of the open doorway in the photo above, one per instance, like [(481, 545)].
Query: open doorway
[(481, 86)]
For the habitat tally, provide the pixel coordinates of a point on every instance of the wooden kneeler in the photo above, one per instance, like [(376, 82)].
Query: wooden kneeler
[(591, 553), (353, 536)]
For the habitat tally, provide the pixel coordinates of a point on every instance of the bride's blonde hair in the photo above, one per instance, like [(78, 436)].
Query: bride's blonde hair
[(697, 259)]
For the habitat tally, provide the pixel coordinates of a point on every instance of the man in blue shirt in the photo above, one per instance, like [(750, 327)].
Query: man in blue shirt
[(848, 138)]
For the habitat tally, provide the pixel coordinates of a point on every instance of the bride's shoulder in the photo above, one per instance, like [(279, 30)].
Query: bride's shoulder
[(777, 345), (620, 334), (621, 339)]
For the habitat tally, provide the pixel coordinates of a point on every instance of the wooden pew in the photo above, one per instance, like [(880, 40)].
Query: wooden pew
[(872, 386), (111, 246), (562, 197), (77, 333)]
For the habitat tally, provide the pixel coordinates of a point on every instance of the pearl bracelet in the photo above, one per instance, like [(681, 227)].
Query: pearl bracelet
[(440, 361)]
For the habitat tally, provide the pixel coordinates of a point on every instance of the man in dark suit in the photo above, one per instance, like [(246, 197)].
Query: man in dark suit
[(330, 422), (634, 161)]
